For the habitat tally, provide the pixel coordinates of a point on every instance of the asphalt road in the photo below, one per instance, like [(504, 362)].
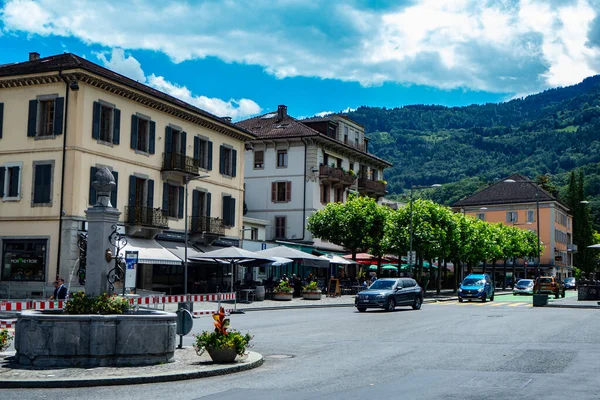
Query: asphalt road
[(497, 350)]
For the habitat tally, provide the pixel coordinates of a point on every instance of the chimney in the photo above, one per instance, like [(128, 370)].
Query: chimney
[(34, 56), (281, 112), (227, 119)]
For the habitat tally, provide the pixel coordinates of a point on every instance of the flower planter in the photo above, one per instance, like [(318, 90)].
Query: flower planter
[(223, 355), (282, 296), (311, 295)]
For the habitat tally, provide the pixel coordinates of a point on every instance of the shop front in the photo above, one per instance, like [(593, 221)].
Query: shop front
[(24, 260)]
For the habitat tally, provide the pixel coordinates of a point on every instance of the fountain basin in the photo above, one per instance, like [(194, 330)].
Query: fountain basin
[(139, 338)]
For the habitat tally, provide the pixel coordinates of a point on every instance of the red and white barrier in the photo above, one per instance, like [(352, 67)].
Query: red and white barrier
[(8, 324), (15, 305), (47, 305)]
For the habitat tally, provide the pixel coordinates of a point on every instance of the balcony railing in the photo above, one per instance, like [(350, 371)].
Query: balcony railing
[(180, 162), (371, 186), (359, 146), (207, 225), (336, 175), (145, 216)]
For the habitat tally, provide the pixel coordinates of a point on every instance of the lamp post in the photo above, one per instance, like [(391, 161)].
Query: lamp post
[(187, 180), (410, 261)]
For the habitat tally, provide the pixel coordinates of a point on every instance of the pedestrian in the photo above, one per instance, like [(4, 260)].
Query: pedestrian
[(61, 290), (374, 277), (297, 285), (55, 284)]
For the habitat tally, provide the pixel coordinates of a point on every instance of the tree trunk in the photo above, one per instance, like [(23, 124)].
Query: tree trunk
[(484, 266), (504, 278), (494, 273), (514, 278), (438, 277)]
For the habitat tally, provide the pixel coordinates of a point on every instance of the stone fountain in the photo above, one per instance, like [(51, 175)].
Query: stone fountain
[(48, 339)]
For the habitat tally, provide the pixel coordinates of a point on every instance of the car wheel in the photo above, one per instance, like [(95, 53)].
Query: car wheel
[(391, 306), (484, 298), (562, 294), (514, 294), (361, 309), (417, 304), (556, 295), (460, 300), (492, 298)]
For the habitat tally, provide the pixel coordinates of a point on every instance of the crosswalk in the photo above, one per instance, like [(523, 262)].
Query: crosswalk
[(481, 304)]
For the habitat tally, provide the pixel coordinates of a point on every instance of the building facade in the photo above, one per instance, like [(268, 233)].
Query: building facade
[(514, 201), (296, 167), (61, 119)]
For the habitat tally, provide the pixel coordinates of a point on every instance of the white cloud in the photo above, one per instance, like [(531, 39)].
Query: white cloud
[(127, 65), (501, 46)]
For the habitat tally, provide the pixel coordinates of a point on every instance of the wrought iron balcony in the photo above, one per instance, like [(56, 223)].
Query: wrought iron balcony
[(145, 216), (203, 224), (370, 186), (334, 174), (180, 163)]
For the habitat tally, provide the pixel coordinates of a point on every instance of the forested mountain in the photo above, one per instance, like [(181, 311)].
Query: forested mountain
[(466, 148)]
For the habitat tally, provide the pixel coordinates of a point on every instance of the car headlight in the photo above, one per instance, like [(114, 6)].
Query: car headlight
[(459, 290), (381, 296), (480, 289)]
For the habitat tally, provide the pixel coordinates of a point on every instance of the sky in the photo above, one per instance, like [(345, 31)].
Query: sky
[(242, 58)]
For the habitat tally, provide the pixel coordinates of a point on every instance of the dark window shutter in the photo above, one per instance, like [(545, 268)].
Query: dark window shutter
[(116, 126), (132, 182), (38, 187), (134, 131), (222, 159), (59, 108), (232, 212), (208, 200), (1, 118), (114, 193), (273, 192), (508, 217), (14, 184), (288, 191), (32, 120), (41, 191), (92, 199), (195, 203), (196, 148), (2, 172), (226, 207), (183, 142), (233, 162), (150, 199), (181, 202), (165, 202), (152, 139), (96, 120), (168, 140), (209, 157)]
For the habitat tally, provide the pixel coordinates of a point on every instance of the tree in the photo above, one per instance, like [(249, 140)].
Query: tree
[(583, 233)]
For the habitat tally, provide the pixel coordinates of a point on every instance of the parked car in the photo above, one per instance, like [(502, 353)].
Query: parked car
[(523, 286), (570, 283), (387, 293), (476, 286), (549, 285)]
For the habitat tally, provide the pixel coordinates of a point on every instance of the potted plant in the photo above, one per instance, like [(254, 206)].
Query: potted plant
[(311, 291), (382, 181), (283, 291), (5, 339), (351, 172), (222, 346)]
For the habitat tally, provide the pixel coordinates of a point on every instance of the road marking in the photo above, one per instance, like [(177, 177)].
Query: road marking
[(517, 304), (496, 304)]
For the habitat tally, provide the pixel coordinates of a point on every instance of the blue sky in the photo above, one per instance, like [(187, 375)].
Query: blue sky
[(242, 58)]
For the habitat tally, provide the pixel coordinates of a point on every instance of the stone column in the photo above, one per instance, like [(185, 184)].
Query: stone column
[(101, 217)]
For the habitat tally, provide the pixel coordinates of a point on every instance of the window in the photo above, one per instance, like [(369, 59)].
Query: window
[(143, 134), (173, 200), (511, 216), (280, 224), (228, 211), (1, 118), (24, 260), (253, 233), (10, 181), (45, 116), (281, 192), (481, 216), (339, 195), (228, 161), (42, 183), (259, 159), (325, 193), (140, 202), (351, 168), (282, 159), (530, 216), (346, 134), (203, 150), (106, 122)]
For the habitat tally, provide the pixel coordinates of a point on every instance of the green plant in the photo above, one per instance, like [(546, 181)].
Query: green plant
[(351, 172), (5, 339), (311, 287), (103, 304), (220, 338), (283, 287), (382, 181)]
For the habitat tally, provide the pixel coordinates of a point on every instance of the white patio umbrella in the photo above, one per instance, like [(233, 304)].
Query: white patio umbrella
[(338, 260), (594, 246), (298, 256)]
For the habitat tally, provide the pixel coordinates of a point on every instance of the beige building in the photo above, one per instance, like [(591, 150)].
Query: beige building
[(62, 118)]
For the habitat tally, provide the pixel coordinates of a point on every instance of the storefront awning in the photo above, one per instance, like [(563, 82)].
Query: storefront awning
[(150, 252), (178, 249)]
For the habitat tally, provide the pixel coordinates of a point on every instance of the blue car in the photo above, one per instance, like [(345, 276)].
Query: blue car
[(476, 286)]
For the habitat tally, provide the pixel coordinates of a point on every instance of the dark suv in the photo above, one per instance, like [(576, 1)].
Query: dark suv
[(387, 293)]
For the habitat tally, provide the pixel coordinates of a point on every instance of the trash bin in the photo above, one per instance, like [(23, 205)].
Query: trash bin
[(540, 300), (259, 293), (186, 305)]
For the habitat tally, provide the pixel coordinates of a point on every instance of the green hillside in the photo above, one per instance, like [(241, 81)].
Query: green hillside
[(465, 148)]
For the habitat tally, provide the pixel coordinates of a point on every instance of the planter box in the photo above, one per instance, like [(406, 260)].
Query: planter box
[(282, 296), (540, 300), (133, 339), (311, 295), (222, 356)]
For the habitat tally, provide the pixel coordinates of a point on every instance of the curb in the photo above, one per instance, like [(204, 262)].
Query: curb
[(254, 360)]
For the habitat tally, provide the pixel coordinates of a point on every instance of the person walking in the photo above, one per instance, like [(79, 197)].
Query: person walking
[(61, 290), (55, 284)]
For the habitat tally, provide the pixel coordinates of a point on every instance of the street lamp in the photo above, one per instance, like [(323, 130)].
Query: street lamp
[(537, 208), (410, 253), (187, 180)]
